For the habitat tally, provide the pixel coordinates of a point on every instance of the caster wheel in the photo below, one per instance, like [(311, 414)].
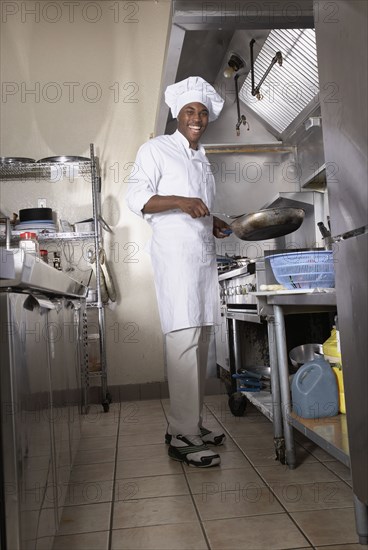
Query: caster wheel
[(281, 456), (109, 397), (237, 404), (280, 450), (106, 406)]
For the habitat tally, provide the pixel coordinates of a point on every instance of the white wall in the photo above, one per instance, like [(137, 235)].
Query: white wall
[(114, 60)]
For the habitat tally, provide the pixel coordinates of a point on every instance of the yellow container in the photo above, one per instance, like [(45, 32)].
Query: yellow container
[(331, 349), (340, 383)]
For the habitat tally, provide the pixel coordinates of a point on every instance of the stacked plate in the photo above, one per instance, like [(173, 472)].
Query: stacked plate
[(36, 219), (37, 226)]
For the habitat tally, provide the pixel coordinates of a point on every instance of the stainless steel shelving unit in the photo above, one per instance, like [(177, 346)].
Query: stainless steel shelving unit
[(89, 170), (289, 303)]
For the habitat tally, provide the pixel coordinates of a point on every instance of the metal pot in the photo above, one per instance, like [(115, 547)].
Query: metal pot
[(266, 224), (304, 353)]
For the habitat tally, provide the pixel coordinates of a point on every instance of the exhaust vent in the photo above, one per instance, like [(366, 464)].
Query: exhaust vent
[(288, 91)]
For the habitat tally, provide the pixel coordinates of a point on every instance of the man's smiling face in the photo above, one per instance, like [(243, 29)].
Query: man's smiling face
[(192, 122)]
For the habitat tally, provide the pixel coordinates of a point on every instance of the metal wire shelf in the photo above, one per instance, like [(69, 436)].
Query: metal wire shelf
[(51, 236), (54, 171)]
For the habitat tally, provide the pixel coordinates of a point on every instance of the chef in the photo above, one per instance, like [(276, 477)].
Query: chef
[(173, 189)]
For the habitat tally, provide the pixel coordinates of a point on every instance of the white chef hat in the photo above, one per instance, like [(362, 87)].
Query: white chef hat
[(193, 90)]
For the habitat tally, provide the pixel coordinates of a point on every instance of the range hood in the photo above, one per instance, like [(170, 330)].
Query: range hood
[(289, 91), (201, 44)]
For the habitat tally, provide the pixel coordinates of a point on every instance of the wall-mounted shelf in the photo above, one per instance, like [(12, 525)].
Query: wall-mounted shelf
[(243, 149), (299, 199), (317, 181)]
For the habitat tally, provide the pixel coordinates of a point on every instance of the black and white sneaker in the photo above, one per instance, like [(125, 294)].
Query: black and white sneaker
[(191, 450), (215, 437)]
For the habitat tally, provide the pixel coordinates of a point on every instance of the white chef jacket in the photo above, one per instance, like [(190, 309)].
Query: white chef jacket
[(182, 248)]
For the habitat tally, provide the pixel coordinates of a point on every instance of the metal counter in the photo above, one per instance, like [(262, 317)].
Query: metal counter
[(41, 400), (330, 433), (283, 303)]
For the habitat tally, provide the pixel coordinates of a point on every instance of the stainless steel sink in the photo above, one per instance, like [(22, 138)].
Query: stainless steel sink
[(22, 270)]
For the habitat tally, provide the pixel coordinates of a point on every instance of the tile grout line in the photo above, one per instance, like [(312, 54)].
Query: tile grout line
[(193, 501), (197, 511), (213, 415), (325, 465), (340, 479), (264, 480), (109, 543)]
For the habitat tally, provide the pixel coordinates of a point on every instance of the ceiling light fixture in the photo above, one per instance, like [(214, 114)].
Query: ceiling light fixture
[(235, 63)]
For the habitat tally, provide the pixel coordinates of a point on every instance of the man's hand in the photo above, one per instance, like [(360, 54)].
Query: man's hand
[(193, 206), (221, 229)]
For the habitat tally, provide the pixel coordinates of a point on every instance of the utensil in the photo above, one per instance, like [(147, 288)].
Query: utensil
[(304, 353), (104, 224), (323, 229), (269, 223), (110, 287), (91, 256), (326, 235), (64, 159), (16, 160), (260, 372)]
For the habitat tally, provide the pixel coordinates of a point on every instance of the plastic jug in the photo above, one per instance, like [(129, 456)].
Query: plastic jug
[(340, 384), (331, 348), (331, 351), (314, 390)]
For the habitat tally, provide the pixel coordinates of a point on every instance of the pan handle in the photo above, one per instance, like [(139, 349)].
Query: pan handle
[(227, 215)]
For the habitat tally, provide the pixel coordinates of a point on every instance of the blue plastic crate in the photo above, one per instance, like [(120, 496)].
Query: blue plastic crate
[(306, 269)]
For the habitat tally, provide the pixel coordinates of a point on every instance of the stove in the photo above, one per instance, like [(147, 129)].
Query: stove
[(241, 338), (238, 283)]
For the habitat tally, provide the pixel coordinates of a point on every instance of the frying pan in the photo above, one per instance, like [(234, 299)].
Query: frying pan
[(266, 224), (106, 282)]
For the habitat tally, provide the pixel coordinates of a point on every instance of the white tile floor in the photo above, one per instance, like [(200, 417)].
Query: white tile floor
[(126, 494)]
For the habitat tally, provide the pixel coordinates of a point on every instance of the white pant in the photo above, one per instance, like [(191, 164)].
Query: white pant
[(186, 359)]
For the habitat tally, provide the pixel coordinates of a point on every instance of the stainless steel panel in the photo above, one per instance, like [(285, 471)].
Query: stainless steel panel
[(310, 154), (29, 271), (221, 340), (74, 316), (40, 404), (199, 15), (342, 46), (352, 299), (241, 316), (27, 436), (57, 329)]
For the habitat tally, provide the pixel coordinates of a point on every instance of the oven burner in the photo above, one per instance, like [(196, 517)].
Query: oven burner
[(229, 263)]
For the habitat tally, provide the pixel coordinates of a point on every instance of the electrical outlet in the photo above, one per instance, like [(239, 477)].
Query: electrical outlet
[(41, 203)]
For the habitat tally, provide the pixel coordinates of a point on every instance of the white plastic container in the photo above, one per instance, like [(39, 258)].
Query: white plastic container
[(28, 242)]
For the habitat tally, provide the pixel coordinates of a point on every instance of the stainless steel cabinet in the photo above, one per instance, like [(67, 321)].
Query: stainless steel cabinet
[(40, 404)]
